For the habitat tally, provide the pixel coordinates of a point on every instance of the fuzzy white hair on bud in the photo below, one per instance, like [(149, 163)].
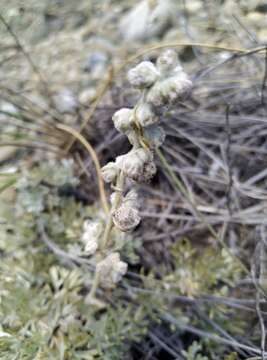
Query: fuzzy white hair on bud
[(109, 172), (91, 247), (92, 229), (167, 62), (111, 270), (169, 90), (91, 235), (143, 75), (133, 163), (131, 199), (145, 115), (123, 120)]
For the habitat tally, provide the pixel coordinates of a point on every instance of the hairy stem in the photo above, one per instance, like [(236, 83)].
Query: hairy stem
[(94, 286), (109, 225), (108, 228)]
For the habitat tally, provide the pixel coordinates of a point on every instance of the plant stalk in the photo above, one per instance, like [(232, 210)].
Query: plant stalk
[(108, 228)]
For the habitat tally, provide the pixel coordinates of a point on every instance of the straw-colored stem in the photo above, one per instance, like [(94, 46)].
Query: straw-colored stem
[(93, 154)]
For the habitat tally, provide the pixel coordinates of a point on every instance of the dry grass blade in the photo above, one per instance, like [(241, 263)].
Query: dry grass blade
[(93, 154)]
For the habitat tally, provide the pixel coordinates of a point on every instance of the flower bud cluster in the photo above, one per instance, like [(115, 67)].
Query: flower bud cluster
[(91, 235), (160, 84)]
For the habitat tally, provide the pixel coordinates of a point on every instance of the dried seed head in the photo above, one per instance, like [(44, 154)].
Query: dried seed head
[(111, 270), (126, 218), (143, 75), (150, 170), (132, 163), (109, 172), (167, 62), (145, 115), (123, 119)]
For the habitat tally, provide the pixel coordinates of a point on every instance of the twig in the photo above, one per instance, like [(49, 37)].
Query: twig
[(27, 56), (211, 336), (263, 87), (228, 159), (59, 252)]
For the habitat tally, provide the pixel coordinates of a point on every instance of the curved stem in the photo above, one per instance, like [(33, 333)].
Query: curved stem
[(93, 154)]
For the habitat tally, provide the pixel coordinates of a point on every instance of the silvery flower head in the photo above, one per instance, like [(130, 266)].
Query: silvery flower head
[(110, 270), (143, 75), (145, 114), (167, 62), (133, 163), (123, 119), (109, 172)]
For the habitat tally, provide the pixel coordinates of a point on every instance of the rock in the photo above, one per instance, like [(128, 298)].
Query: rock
[(7, 153), (95, 59), (9, 108), (193, 7), (256, 18), (96, 64), (88, 95), (262, 36), (147, 19), (65, 101)]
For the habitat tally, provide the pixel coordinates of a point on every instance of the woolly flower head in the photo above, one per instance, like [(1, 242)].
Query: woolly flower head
[(91, 235), (134, 163), (131, 199), (143, 75), (123, 120), (173, 88), (109, 172), (145, 115), (172, 84), (111, 270), (167, 62)]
